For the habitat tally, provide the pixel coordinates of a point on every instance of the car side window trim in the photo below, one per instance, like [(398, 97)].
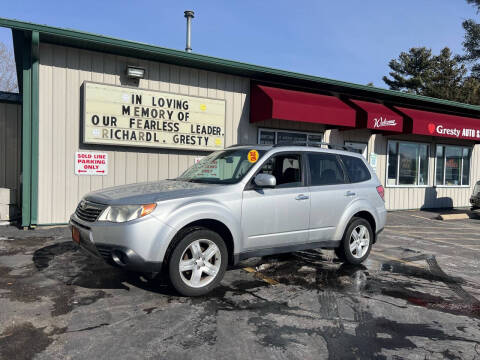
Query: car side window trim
[(344, 169), (303, 165)]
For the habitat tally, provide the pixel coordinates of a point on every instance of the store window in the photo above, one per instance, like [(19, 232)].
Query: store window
[(272, 137), (407, 164), (453, 165)]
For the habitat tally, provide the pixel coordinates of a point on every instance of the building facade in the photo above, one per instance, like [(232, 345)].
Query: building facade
[(78, 101)]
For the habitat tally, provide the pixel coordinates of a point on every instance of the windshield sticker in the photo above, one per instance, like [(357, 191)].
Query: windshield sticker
[(252, 156)]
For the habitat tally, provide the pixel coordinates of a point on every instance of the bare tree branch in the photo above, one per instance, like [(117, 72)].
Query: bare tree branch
[(8, 73)]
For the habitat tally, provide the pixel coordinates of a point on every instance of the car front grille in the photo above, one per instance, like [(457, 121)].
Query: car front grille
[(89, 211)]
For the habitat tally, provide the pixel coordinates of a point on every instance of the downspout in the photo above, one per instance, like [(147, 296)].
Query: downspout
[(30, 88)]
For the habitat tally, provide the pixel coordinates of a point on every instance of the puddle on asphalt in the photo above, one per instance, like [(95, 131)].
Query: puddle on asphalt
[(14, 338), (312, 270)]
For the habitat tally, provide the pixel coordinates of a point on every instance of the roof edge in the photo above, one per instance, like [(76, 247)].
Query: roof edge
[(6, 96)]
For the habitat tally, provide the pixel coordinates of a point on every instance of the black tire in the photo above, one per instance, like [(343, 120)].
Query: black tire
[(340, 253), (177, 280), (343, 252)]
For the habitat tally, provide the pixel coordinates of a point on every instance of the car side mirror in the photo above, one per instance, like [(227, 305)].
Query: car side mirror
[(265, 181)]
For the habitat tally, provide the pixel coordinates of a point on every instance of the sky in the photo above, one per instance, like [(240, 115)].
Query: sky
[(351, 40)]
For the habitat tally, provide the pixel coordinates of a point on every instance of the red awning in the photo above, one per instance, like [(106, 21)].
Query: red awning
[(379, 117), (443, 125), (275, 103)]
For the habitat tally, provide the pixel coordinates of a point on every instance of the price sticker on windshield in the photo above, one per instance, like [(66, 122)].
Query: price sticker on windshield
[(252, 156)]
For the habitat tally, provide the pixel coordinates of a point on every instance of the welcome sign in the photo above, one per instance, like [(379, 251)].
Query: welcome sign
[(117, 115)]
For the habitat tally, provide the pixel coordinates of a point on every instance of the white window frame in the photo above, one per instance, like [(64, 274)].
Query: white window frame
[(398, 165), (286, 130), (445, 168)]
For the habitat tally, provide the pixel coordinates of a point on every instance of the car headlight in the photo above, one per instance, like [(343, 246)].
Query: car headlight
[(123, 213)]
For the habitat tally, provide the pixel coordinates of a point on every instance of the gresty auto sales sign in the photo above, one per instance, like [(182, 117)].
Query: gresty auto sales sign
[(461, 133), (443, 125)]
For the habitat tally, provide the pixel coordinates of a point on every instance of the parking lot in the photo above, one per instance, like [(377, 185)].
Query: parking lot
[(416, 297)]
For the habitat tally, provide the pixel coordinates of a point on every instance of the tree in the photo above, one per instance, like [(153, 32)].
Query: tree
[(422, 73), (471, 45), (8, 73), (476, 3), (446, 76), (410, 71), (470, 91)]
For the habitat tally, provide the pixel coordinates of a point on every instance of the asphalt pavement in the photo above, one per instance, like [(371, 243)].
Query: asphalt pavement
[(416, 297)]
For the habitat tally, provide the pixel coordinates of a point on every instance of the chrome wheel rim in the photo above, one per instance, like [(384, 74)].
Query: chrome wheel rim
[(359, 241), (200, 263)]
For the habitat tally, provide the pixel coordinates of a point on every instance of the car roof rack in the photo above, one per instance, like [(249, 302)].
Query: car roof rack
[(318, 144), (251, 145)]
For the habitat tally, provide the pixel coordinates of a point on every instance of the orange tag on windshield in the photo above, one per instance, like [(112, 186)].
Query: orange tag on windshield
[(252, 156)]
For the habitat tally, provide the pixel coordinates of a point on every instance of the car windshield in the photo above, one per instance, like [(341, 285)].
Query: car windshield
[(223, 167)]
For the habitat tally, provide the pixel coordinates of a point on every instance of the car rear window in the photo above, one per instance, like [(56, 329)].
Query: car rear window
[(357, 171)]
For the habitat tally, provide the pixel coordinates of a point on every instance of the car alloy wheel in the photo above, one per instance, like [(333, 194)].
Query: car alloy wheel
[(200, 263), (359, 241)]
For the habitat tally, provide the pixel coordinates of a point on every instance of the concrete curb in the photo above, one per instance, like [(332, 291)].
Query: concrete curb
[(462, 216)]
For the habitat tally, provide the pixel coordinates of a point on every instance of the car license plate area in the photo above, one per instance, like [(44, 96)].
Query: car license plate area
[(75, 235)]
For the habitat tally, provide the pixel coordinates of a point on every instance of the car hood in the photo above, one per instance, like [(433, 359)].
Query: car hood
[(150, 192)]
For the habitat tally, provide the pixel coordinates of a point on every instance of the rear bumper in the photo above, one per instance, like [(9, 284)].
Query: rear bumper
[(116, 255)]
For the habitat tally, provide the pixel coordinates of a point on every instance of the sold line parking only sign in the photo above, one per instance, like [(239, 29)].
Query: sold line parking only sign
[(91, 163)]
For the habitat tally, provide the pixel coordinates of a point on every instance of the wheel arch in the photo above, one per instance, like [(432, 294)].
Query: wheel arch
[(360, 209), (206, 223), (371, 220)]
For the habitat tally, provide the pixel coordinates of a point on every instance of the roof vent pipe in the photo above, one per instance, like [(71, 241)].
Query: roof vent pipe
[(189, 15)]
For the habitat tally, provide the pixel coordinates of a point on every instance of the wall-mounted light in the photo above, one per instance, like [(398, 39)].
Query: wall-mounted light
[(135, 72)]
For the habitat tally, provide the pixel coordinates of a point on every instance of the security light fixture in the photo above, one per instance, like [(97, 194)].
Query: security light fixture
[(135, 72)]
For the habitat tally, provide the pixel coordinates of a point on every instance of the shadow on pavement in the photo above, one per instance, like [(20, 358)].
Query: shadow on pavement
[(67, 263)]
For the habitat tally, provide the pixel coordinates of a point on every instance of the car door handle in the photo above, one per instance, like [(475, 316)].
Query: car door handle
[(349, 193), (301, 197)]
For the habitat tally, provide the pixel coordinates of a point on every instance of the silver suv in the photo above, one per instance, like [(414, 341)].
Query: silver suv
[(241, 202)]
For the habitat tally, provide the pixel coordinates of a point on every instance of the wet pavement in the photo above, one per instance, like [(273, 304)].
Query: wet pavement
[(416, 297)]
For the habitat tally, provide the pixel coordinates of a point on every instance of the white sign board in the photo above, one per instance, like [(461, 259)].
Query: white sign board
[(373, 161), (91, 163), (125, 116)]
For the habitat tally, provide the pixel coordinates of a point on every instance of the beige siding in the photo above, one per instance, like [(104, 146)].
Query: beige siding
[(62, 72), (10, 146), (398, 198)]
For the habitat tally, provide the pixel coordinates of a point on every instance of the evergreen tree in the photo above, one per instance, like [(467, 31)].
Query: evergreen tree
[(410, 71), (422, 73), (446, 76), (471, 45)]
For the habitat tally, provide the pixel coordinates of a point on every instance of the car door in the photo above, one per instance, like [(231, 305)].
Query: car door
[(330, 194), (277, 217)]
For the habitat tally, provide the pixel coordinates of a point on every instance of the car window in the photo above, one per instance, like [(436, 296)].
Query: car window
[(286, 168), (223, 167), (325, 169), (356, 169)]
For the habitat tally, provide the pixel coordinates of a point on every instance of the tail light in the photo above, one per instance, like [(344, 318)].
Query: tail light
[(381, 192)]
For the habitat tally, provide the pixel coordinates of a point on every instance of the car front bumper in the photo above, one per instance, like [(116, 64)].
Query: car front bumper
[(475, 201), (136, 245)]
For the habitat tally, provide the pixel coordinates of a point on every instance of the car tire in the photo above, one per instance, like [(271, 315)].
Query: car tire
[(340, 253), (198, 262), (357, 241)]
